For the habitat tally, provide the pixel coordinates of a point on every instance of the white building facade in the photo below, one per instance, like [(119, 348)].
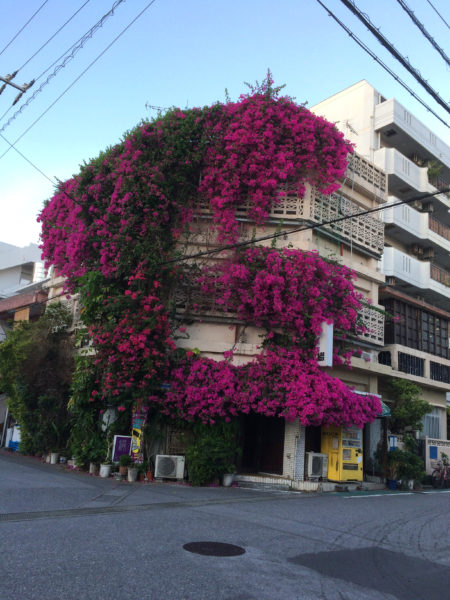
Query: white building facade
[(416, 258)]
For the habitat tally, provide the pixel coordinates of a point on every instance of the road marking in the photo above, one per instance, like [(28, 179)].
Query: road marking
[(437, 492), (384, 495)]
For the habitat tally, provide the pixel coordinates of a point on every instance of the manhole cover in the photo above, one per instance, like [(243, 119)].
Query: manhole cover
[(214, 549)]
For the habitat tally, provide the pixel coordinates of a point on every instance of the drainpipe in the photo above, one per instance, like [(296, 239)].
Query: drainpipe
[(4, 428)]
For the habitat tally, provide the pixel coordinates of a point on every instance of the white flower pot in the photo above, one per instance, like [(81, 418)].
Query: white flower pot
[(228, 480), (54, 458), (105, 470), (132, 474), (93, 468)]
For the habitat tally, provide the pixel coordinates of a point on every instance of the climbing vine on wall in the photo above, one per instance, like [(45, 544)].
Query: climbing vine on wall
[(114, 230)]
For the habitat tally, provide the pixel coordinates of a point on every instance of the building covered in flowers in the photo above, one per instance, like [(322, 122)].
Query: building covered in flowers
[(211, 252)]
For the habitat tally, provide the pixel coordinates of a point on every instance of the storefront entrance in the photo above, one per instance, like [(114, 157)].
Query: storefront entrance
[(263, 444)]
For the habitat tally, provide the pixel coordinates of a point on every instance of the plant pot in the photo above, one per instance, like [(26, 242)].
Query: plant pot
[(392, 484), (93, 468), (123, 470), (54, 458), (132, 474), (105, 470), (228, 479), (149, 475)]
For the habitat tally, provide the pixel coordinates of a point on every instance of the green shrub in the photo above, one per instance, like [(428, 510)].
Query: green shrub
[(213, 451), (125, 460)]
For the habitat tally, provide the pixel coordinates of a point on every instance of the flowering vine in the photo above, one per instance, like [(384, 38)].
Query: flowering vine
[(114, 230)]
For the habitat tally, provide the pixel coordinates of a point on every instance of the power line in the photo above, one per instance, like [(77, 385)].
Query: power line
[(416, 22), (80, 76), (435, 10), (53, 36), (25, 158), (68, 55), (390, 48), (284, 234), (22, 28), (381, 63)]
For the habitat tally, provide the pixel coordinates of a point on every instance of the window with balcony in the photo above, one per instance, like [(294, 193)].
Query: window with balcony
[(416, 328)]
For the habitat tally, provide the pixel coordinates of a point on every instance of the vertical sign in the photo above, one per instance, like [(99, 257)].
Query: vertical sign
[(139, 418), (325, 358)]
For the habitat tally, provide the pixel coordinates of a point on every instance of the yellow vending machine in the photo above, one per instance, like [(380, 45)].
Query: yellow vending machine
[(345, 456)]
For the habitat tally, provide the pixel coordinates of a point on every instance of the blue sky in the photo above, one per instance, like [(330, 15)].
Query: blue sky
[(184, 53)]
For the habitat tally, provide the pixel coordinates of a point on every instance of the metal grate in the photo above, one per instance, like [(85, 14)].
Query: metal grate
[(411, 364)]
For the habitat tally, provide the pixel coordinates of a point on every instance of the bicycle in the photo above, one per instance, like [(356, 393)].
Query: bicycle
[(440, 477)]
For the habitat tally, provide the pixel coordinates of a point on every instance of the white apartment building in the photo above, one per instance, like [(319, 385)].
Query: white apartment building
[(416, 258)]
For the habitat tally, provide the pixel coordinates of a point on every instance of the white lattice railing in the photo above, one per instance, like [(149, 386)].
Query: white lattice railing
[(367, 175), (365, 231), (189, 299), (374, 322)]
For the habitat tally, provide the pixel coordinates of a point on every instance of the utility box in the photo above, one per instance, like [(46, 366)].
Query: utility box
[(345, 454)]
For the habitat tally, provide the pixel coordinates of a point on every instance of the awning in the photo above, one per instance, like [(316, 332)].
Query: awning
[(385, 410)]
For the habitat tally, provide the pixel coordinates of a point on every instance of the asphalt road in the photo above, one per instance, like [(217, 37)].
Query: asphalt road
[(71, 536)]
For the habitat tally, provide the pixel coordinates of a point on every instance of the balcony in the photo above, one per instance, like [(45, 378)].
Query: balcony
[(367, 176), (439, 228), (416, 277), (400, 128), (374, 322), (190, 300), (365, 232), (422, 231), (418, 365), (440, 275)]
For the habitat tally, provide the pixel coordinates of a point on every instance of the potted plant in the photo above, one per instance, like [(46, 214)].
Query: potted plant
[(132, 473), (125, 462), (392, 469)]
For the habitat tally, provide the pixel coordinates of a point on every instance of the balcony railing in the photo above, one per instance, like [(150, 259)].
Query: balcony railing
[(439, 227), (190, 300), (439, 183), (439, 372), (367, 175), (440, 275), (374, 322), (365, 231)]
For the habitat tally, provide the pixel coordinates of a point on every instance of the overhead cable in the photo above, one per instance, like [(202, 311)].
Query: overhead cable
[(79, 76), (284, 234), (68, 56), (23, 27), (390, 48), (271, 236), (53, 36), (435, 10), (382, 64), (418, 24)]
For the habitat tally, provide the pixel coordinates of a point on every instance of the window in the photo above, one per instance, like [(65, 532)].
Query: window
[(432, 424), (417, 329)]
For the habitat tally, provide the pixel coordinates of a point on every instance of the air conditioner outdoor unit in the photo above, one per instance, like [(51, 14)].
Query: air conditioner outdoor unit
[(317, 465), (428, 207), (169, 466), (428, 252)]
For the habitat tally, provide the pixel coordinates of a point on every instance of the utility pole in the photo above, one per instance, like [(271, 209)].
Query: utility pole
[(7, 80)]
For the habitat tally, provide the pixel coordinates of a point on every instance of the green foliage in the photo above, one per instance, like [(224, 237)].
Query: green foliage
[(87, 440), (125, 460), (36, 367), (406, 464), (212, 451), (407, 406)]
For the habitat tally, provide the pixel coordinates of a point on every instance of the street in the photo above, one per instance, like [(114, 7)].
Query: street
[(71, 536)]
